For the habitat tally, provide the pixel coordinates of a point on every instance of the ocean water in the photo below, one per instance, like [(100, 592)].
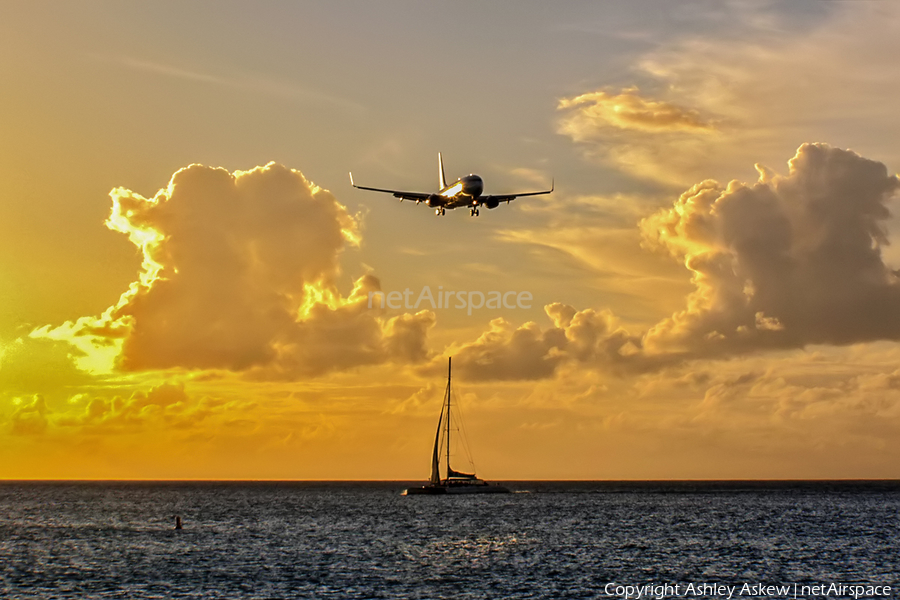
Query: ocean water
[(364, 540)]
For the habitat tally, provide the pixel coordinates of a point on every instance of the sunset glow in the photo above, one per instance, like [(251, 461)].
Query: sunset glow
[(185, 277)]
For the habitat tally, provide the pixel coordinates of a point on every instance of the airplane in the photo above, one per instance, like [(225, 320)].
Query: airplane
[(465, 191)]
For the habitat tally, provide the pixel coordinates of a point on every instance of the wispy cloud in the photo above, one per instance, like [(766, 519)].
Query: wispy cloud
[(712, 103), (596, 111), (240, 81)]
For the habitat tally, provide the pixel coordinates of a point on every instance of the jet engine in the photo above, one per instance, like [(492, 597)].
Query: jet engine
[(492, 203)]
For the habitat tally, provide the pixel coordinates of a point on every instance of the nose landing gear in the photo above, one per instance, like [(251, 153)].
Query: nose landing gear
[(473, 212), (439, 211)]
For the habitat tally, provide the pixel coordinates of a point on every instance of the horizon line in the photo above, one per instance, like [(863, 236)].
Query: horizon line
[(204, 480)]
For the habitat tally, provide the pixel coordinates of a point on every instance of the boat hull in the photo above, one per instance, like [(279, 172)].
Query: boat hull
[(438, 490)]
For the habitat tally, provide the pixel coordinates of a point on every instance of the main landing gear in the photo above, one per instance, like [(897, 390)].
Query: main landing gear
[(473, 212), (439, 211)]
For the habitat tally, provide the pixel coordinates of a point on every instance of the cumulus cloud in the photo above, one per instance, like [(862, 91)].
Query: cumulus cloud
[(506, 352), (346, 334), (240, 273), (788, 261)]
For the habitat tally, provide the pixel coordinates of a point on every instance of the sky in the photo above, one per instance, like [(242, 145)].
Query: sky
[(710, 292)]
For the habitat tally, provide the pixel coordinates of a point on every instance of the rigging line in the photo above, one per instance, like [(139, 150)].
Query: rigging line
[(461, 427)]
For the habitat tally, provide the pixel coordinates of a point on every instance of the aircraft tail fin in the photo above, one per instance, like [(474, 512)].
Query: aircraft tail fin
[(442, 181)]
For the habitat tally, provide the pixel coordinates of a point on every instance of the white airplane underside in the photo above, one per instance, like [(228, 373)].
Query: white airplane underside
[(464, 192)]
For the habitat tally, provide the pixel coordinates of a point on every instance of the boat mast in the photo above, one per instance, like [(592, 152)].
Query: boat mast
[(449, 370)]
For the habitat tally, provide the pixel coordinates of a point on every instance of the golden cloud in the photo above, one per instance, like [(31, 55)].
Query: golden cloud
[(789, 261), (505, 352), (722, 102), (650, 138), (166, 406), (593, 113), (783, 263), (239, 273)]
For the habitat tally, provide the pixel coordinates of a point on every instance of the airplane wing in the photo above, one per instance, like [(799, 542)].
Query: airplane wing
[(507, 197), (418, 196)]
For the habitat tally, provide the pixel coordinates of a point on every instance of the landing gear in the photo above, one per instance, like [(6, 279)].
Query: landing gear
[(473, 212), (439, 211)]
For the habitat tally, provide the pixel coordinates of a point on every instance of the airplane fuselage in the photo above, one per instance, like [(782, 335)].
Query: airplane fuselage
[(463, 192)]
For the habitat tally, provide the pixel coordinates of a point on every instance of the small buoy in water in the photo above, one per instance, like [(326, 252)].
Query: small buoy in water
[(178, 522)]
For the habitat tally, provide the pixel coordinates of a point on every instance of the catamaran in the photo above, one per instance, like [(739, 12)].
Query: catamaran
[(456, 482)]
